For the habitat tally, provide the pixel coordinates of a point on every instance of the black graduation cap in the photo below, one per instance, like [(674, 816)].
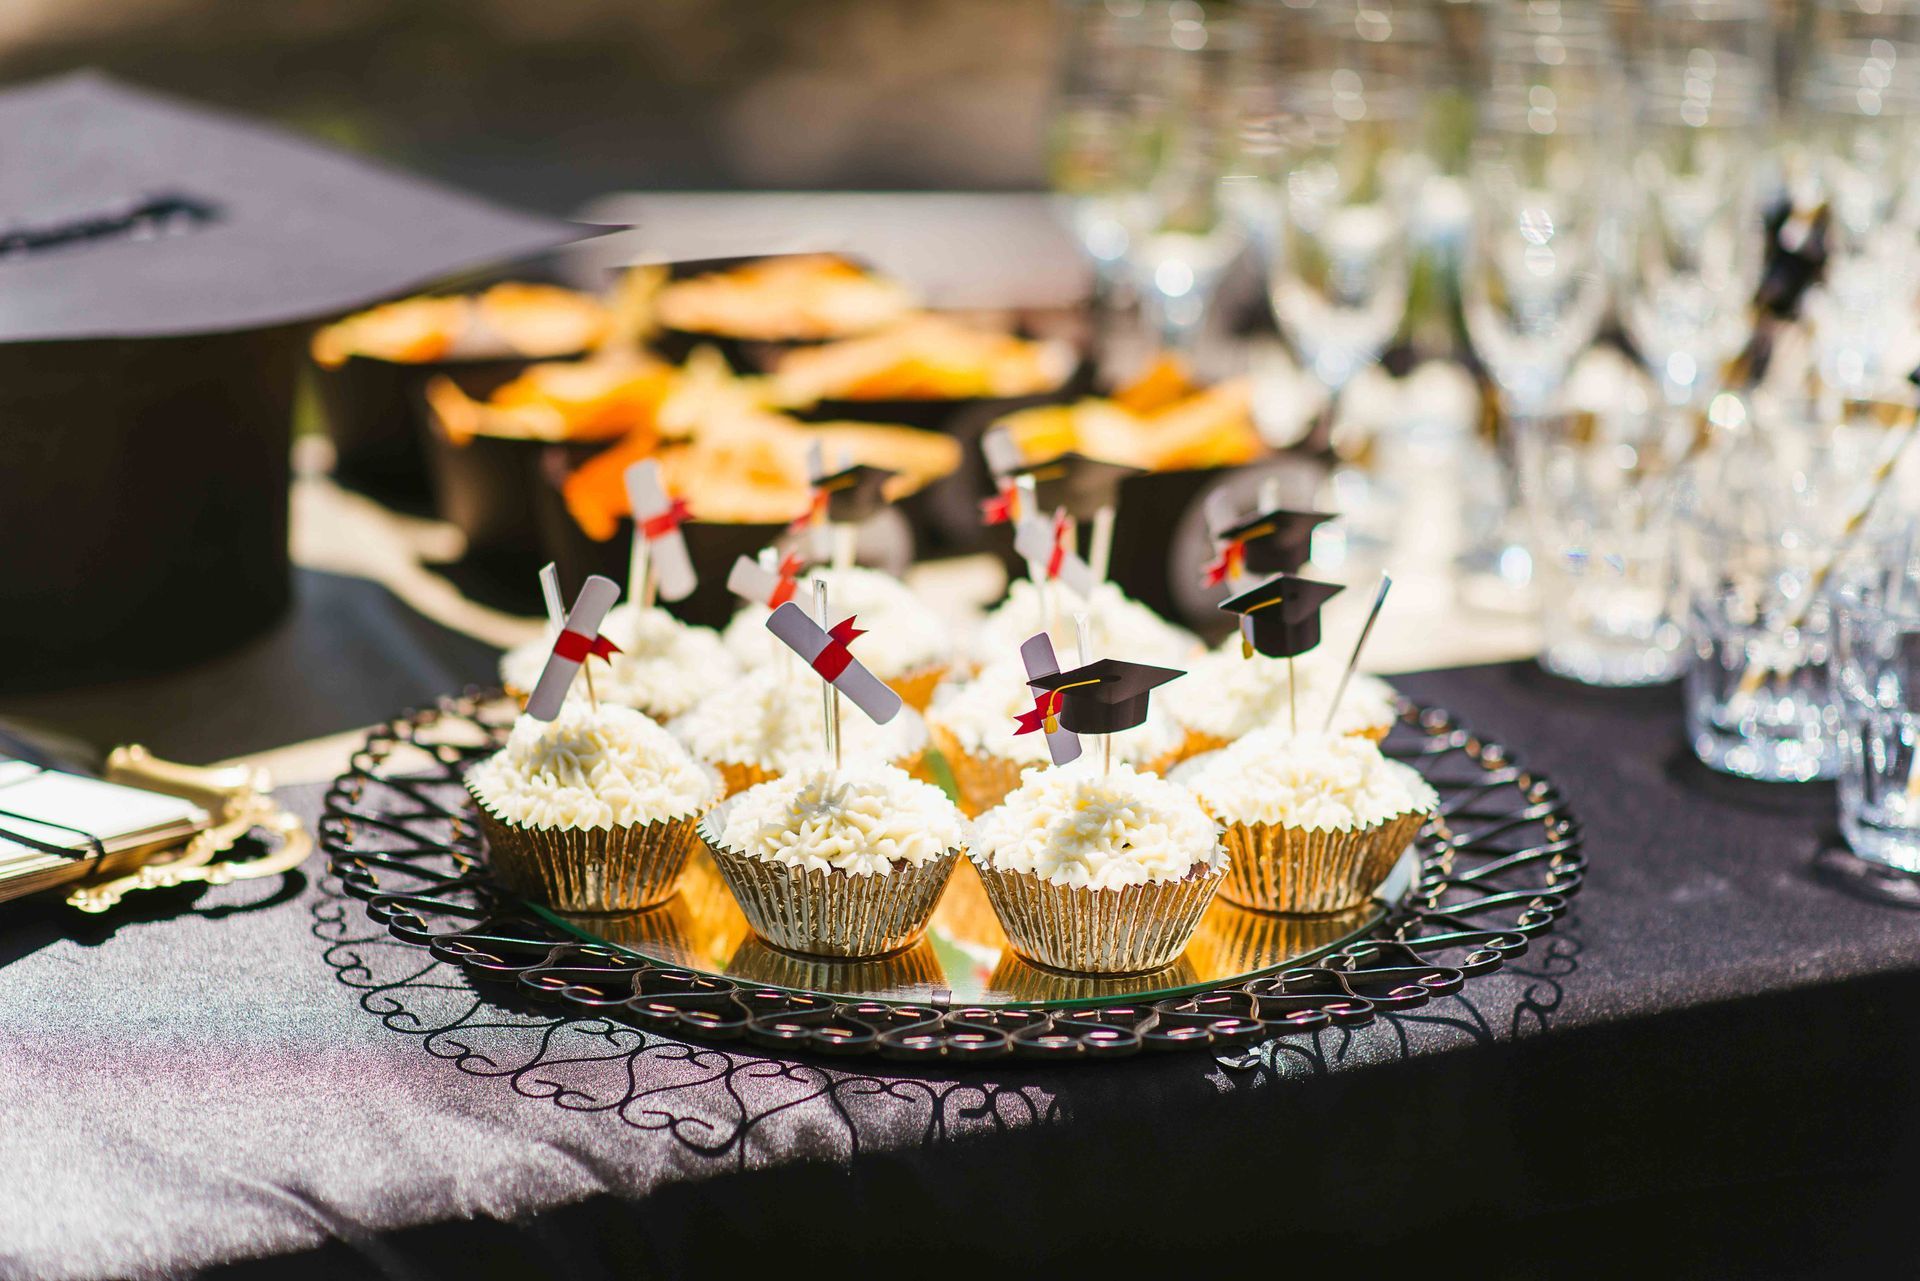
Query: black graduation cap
[(1276, 541), (1106, 696), (1078, 483), (158, 264), (854, 493), (1280, 616)]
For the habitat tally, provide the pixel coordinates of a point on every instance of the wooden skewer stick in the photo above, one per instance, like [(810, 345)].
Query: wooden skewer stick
[(1353, 660), (1100, 549), (830, 707), (1757, 674), (550, 593)]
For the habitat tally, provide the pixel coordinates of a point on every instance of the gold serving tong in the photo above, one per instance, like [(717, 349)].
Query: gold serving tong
[(239, 800)]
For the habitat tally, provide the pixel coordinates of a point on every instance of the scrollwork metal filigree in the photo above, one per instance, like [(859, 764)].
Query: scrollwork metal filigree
[(1497, 869)]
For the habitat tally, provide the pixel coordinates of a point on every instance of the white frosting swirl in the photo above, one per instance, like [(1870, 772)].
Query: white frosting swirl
[(1119, 625), (1315, 781), (772, 719), (980, 713), (863, 820), (592, 767), (905, 636), (1226, 696), (663, 668), (1077, 826)]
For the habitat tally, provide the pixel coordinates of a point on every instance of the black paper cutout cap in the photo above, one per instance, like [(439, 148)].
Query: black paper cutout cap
[(1278, 541), (854, 493), (1280, 616), (1105, 696)]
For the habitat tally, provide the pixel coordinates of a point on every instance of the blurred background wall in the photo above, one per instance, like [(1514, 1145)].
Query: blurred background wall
[(546, 103)]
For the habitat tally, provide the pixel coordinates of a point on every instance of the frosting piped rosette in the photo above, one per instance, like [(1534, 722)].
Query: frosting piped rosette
[(1099, 873), (663, 668), (860, 820), (907, 645), (1119, 625), (770, 723), (837, 862), (1227, 697), (1314, 822), (593, 811)]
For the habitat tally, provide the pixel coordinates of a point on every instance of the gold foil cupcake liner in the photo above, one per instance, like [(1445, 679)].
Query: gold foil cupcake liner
[(738, 777), (1083, 930), (590, 869), (824, 911), (982, 778), (1276, 868)]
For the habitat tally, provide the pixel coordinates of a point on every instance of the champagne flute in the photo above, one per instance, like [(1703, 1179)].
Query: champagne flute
[(1695, 255), (1181, 232), (1091, 129)]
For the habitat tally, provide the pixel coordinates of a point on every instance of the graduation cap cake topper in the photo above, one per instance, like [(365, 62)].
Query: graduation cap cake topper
[(1280, 616), (1106, 696), (1272, 540)]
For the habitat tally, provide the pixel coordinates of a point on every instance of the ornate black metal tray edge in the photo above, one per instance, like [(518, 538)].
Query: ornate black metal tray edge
[(1497, 868)]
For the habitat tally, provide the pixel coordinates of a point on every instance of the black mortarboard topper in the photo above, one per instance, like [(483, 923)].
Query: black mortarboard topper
[(158, 263), (1078, 483), (1280, 616), (854, 493), (1105, 696), (1278, 540)]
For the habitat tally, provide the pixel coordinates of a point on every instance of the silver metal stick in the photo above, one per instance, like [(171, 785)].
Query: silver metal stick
[(1353, 661)]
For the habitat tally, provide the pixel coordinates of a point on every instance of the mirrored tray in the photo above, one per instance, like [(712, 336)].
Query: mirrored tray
[(1497, 868), (964, 958)]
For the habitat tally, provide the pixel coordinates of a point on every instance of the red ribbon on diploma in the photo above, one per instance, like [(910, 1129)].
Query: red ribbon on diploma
[(659, 526), (1046, 706), (575, 647), (833, 660), (789, 572), (815, 507), (1228, 564), (1062, 531), (998, 510)]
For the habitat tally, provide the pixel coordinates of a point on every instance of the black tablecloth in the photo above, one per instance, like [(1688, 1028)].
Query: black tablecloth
[(1709, 1069)]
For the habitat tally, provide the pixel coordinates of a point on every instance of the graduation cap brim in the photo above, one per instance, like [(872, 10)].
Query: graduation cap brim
[(1107, 696), (258, 227), (1278, 541), (1078, 483), (1280, 616), (855, 493)]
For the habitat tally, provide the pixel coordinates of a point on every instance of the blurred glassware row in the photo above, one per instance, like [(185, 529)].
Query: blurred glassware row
[(1521, 186)]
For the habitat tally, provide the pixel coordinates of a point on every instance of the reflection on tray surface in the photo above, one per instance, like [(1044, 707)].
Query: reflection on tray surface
[(964, 958)]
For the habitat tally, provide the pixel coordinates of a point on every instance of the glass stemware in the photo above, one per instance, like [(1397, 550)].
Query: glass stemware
[(1091, 129), (1704, 96)]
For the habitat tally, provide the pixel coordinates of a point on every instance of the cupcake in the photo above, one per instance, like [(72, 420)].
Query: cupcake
[(768, 724), (845, 863), (1120, 625), (664, 666), (908, 646), (1230, 696), (971, 723), (1099, 873), (593, 811), (1314, 822)]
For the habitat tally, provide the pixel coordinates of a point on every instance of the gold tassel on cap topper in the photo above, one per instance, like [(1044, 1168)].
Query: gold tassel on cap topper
[(1271, 540), (659, 562), (1280, 618), (579, 641)]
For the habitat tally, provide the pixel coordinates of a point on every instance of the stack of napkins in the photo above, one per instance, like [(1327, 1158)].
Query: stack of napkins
[(63, 810)]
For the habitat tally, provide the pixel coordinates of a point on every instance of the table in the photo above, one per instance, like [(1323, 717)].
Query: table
[(1717, 1045), (1706, 1070)]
